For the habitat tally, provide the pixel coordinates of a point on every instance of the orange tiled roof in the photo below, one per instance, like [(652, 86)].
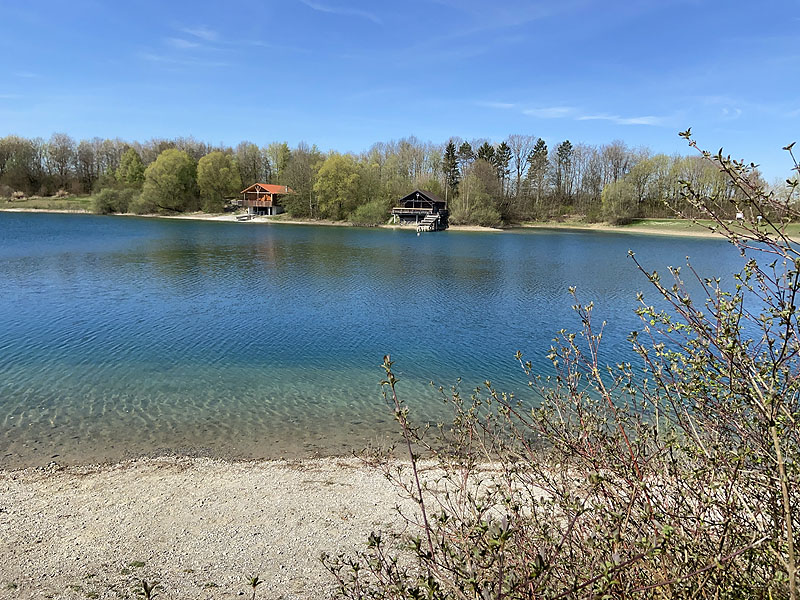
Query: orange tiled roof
[(270, 188)]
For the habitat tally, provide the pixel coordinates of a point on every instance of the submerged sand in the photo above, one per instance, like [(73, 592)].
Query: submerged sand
[(200, 526)]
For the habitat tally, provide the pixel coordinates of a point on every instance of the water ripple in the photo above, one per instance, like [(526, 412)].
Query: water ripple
[(126, 336)]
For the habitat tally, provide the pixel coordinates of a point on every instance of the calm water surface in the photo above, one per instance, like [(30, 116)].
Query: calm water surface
[(124, 336)]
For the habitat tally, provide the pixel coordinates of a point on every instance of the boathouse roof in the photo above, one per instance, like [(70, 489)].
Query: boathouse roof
[(422, 195), (270, 188)]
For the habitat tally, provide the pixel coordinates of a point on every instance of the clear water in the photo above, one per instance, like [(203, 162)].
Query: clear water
[(128, 336)]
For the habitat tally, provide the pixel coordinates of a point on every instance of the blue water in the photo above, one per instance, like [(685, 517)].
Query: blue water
[(128, 336)]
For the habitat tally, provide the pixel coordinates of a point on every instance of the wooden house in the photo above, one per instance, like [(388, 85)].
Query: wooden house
[(423, 209), (263, 198)]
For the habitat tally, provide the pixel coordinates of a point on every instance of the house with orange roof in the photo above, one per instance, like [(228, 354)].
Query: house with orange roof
[(263, 198)]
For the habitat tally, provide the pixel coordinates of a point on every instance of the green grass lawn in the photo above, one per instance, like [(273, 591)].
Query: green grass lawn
[(678, 225), (663, 225), (70, 203)]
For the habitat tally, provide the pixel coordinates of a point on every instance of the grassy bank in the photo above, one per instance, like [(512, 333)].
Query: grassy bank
[(679, 227), (69, 204)]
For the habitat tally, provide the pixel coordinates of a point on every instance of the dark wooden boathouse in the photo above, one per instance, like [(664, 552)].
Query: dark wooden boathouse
[(425, 210), (263, 198)]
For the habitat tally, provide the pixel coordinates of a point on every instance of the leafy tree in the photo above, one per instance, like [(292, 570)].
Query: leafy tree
[(374, 212), (217, 178), (276, 158), (337, 186), (476, 201), (109, 200), (170, 183), (619, 202), (131, 169), (21, 163)]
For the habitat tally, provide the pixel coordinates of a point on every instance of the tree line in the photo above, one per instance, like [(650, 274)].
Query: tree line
[(517, 179)]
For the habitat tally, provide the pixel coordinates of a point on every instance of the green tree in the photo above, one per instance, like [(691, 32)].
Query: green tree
[(537, 172), (502, 160), (337, 186), (619, 202), (170, 183), (465, 155), (476, 200), (486, 152), (562, 171), (277, 155), (217, 178), (131, 169), (450, 168)]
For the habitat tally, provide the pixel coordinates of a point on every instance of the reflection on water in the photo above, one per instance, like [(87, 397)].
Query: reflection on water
[(122, 336)]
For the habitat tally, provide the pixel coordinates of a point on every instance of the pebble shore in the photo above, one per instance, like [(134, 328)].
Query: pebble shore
[(199, 526)]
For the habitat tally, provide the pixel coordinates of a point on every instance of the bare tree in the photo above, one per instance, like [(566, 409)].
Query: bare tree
[(521, 147)]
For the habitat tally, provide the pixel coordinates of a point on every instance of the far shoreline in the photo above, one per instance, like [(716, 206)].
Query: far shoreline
[(672, 227)]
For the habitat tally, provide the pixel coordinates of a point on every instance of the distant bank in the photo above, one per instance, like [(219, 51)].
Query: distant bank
[(673, 227)]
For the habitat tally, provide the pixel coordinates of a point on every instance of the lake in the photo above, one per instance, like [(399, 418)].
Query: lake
[(128, 336)]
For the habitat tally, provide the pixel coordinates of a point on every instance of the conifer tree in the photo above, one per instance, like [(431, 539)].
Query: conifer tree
[(502, 158), (450, 168), (486, 152), (465, 155)]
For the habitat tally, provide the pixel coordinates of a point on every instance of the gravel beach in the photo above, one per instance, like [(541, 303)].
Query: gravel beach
[(199, 526)]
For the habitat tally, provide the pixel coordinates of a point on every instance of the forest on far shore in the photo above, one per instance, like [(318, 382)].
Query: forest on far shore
[(518, 179)]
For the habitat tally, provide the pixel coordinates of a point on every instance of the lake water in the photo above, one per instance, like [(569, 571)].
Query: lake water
[(128, 336)]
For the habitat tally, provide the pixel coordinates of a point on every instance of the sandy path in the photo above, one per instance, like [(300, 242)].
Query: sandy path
[(199, 526)]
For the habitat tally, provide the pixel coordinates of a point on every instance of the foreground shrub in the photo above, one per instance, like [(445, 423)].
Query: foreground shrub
[(677, 477), (110, 200), (372, 213)]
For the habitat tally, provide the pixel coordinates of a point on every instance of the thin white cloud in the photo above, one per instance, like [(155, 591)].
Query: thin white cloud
[(9, 96), (645, 120), (549, 112), (731, 113), (338, 10), (180, 62), (181, 44), (202, 32), (499, 105), (26, 75)]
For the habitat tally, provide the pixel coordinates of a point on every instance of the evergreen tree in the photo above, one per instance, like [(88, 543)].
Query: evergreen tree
[(465, 155), (537, 170), (562, 171), (486, 152), (502, 159), (450, 167)]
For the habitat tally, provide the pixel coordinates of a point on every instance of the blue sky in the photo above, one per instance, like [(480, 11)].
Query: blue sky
[(345, 73)]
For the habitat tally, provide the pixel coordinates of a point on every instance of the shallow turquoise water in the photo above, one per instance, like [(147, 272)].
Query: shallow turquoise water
[(124, 336)]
